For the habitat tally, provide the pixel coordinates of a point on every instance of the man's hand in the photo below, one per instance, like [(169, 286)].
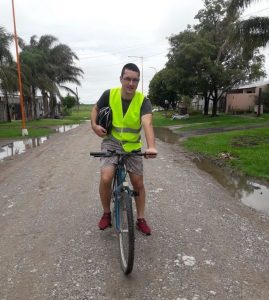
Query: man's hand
[(99, 130), (151, 153)]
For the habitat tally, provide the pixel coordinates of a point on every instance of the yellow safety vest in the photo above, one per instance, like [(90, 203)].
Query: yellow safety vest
[(126, 129)]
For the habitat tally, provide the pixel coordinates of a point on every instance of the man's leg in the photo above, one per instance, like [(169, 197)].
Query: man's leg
[(107, 175), (138, 185)]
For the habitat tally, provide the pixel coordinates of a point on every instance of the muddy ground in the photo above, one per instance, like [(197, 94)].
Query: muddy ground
[(205, 243)]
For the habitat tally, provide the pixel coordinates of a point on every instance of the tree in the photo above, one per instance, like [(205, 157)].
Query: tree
[(51, 65), (160, 88), (8, 75), (69, 101), (62, 57), (252, 33), (206, 59), (189, 58)]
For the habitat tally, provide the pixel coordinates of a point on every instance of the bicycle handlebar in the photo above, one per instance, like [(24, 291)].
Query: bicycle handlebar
[(119, 153)]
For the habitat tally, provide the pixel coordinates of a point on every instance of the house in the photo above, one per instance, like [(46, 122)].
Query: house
[(198, 103), (239, 99), (245, 98), (15, 108)]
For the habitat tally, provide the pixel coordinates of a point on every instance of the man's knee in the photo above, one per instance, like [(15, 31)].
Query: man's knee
[(137, 183), (107, 175)]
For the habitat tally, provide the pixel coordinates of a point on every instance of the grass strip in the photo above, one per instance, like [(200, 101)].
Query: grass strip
[(200, 121), (44, 127), (245, 150)]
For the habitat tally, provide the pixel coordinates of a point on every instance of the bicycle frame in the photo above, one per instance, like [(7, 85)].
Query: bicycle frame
[(119, 185)]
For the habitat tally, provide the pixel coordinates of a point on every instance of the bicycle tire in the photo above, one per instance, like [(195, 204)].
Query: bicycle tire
[(126, 233)]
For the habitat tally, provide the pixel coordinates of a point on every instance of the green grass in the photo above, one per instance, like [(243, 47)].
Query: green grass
[(248, 149), (44, 127), (81, 114), (201, 121)]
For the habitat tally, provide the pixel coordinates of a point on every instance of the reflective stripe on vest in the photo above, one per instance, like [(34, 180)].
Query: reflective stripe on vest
[(126, 129)]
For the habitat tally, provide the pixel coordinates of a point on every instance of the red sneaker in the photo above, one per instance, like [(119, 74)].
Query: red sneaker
[(105, 221), (143, 227)]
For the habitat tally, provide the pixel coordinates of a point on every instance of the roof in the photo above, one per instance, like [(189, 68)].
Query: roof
[(253, 84)]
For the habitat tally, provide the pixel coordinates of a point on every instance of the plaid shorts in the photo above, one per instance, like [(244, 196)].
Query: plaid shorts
[(133, 164)]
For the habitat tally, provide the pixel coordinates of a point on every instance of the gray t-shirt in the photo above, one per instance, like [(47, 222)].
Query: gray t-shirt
[(146, 107)]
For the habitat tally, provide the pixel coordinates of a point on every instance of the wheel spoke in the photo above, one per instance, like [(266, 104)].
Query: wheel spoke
[(126, 234)]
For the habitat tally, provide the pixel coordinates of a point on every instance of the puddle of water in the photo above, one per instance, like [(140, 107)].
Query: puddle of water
[(19, 147), (258, 199), (166, 135), (251, 193), (65, 128)]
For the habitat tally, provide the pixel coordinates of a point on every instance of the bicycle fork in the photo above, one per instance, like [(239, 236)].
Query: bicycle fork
[(124, 188)]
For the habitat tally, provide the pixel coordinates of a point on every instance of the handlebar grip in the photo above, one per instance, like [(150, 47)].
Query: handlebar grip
[(99, 154)]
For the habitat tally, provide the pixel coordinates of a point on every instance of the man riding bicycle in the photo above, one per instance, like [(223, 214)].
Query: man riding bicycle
[(130, 111)]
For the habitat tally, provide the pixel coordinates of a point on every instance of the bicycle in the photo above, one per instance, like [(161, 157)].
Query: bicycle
[(122, 219)]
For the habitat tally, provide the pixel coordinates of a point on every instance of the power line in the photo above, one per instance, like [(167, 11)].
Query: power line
[(119, 51), (113, 53)]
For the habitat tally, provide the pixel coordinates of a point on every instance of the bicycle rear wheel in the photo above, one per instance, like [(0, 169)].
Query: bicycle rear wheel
[(126, 233)]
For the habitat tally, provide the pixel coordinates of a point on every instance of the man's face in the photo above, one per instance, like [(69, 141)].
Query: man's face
[(129, 82)]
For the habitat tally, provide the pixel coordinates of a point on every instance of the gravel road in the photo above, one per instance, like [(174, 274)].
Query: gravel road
[(205, 244)]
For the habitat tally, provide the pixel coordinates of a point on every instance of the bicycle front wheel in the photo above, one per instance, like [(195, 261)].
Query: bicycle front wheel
[(126, 233)]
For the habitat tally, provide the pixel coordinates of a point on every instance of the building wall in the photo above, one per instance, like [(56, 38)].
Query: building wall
[(15, 108), (240, 102), (244, 99)]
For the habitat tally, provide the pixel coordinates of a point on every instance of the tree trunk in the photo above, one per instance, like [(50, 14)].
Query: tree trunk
[(52, 105), (77, 98), (28, 107), (8, 114), (215, 103), (206, 105), (259, 102), (215, 107), (33, 96), (45, 104)]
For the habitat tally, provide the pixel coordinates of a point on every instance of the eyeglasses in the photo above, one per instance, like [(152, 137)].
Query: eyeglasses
[(129, 80)]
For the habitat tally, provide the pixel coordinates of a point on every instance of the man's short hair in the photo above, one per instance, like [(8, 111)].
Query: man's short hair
[(130, 66)]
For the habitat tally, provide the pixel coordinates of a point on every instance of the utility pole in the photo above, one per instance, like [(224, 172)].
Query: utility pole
[(23, 117), (142, 79)]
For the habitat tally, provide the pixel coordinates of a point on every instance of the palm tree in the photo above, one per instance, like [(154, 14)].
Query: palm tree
[(34, 65), (8, 76), (61, 57), (252, 33), (5, 40), (51, 64)]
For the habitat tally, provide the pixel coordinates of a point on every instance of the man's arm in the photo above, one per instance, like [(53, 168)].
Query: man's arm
[(102, 102), (99, 130), (149, 133)]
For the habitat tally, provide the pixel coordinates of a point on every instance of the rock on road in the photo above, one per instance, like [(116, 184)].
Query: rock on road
[(205, 244)]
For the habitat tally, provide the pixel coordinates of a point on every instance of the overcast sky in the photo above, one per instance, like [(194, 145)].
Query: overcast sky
[(105, 33)]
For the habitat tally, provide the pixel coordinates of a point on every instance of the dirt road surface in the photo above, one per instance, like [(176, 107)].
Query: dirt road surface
[(205, 244)]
